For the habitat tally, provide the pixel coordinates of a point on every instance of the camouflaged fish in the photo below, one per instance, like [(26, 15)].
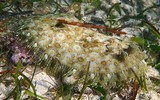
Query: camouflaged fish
[(109, 58)]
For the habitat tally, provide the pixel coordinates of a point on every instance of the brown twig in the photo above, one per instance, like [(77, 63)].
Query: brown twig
[(135, 90), (114, 30), (7, 71)]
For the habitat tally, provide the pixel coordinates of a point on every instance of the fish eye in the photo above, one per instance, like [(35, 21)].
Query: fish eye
[(59, 25), (120, 56), (128, 50)]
